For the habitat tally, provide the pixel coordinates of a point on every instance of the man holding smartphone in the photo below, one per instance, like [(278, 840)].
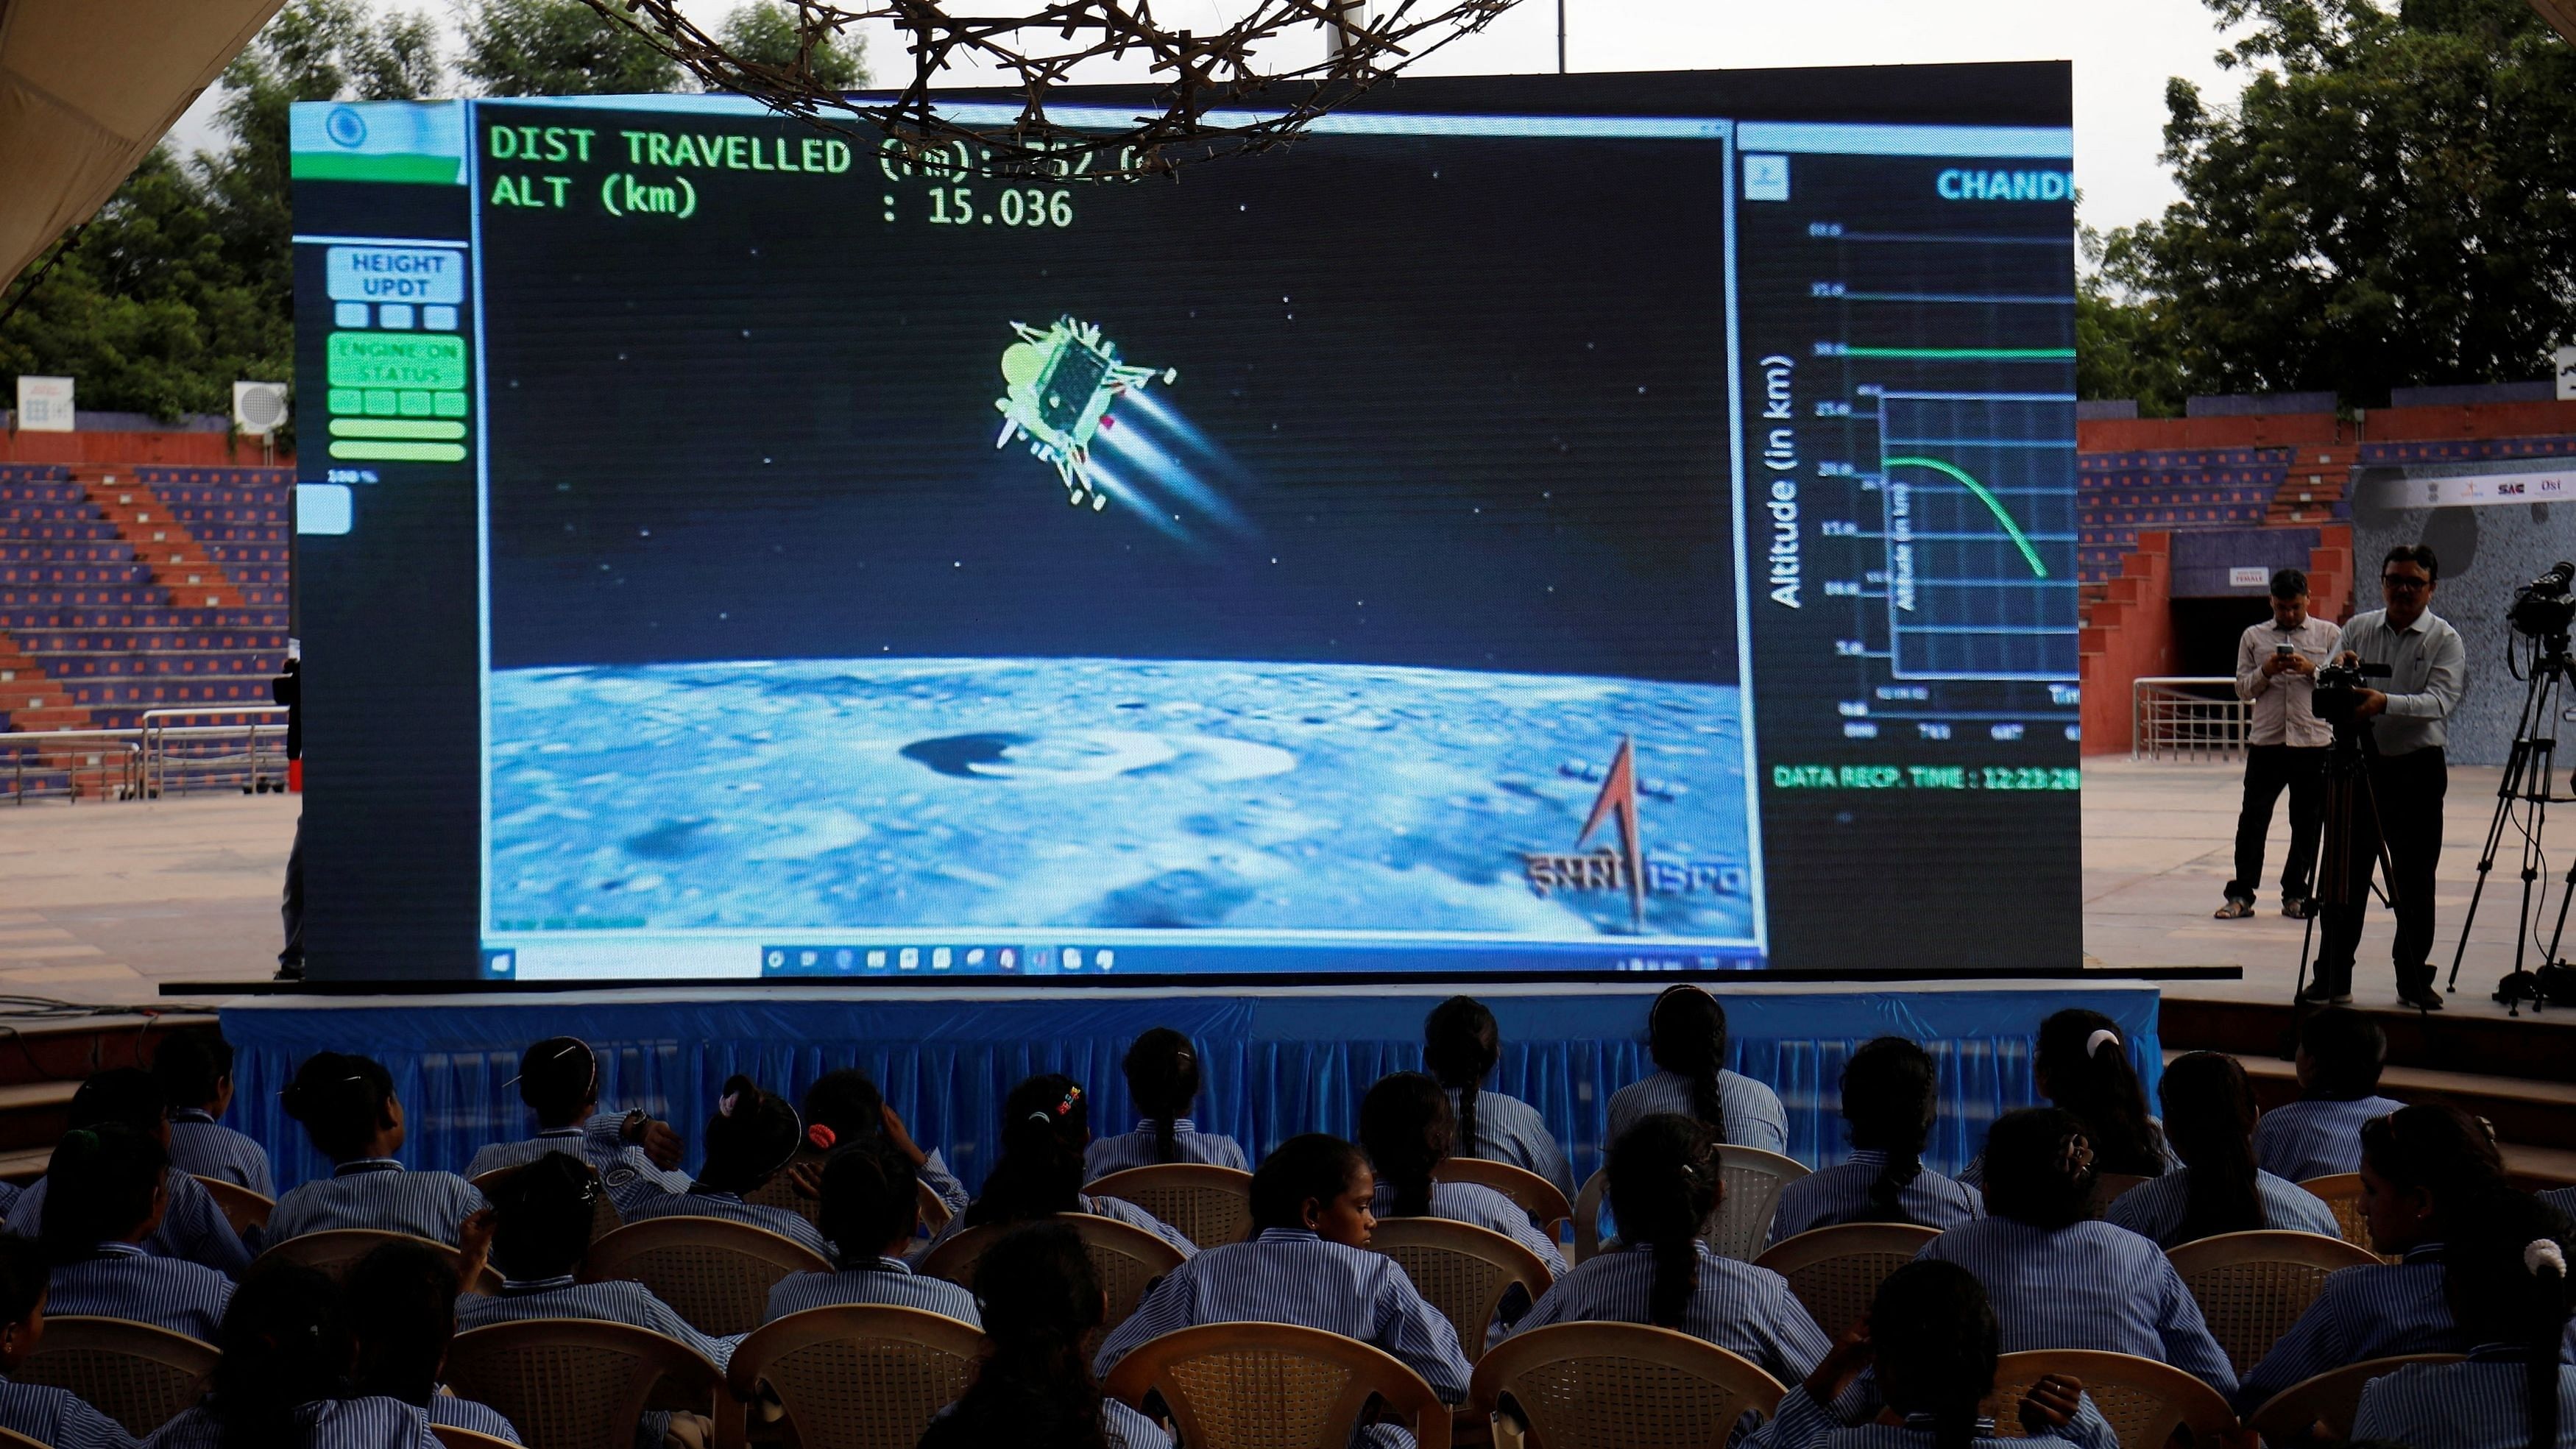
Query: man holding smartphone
[(2276, 670)]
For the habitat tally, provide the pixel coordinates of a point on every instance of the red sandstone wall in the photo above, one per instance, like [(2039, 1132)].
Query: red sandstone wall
[(204, 450)]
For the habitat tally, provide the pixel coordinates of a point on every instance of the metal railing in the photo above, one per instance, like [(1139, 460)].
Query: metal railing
[(45, 764), (2187, 717), (246, 752)]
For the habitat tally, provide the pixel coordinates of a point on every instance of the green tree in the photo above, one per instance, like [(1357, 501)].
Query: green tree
[(559, 48), (2122, 350), (766, 32), (2390, 201)]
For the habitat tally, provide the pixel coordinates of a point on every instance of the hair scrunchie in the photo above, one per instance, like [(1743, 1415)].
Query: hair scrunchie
[(821, 1136), (2101, 1035), (2543, 1255)]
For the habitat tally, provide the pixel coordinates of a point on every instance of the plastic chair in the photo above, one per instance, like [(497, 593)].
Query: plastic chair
[(2342, 1193), (853, 1376), (1124, 1258), (1587, 1214), (1836, 1271), (1534, 1194), (1753, 1179), (451, 1437), (1210, 1205), (2145, 1401), (780, 1191), (138, 1375), (574, 1383), (12, 1439), (2108, 1186), (1464, 1270), (714, 1272), (2330, 1399), (1619, 1386), (243, 1208), (604, 1218), (337, 1250), (1274, 1386), (2252, 1286)]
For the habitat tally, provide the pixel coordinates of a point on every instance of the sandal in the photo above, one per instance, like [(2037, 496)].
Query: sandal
[(2235, 910)]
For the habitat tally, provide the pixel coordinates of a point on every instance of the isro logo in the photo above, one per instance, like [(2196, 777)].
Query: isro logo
[(1625, 865)]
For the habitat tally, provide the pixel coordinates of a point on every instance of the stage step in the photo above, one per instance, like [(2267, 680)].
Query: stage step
[(2540, 1046), (45, 1062), (2540, 1116)]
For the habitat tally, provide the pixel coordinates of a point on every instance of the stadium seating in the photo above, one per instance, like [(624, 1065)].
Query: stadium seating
[(2117, 494)]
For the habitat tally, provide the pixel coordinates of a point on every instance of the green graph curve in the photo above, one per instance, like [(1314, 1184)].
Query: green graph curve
[(2002, 515)]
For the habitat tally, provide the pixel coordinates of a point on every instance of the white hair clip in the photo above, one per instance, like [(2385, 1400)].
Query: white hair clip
[(2544, 1254), (724, 1107), (2093, 1043)]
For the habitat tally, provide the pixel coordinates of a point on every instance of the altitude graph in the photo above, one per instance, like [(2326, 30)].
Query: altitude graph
[(1980, 534)]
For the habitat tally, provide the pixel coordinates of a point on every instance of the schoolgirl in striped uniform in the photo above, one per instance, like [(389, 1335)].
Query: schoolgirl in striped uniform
[(2422, 1168), (2341, 1054), (752, 1138), (349, 1110), (851, 1111), (195, 1072), (1931, 1347), (1461, 1046), (1686, 1034), (107, 1197), (1889, 1101), (1308, 1265), (2081, 1066), (559, 1080), (286, 1351), (2561, 1198), (402, 1309), (192, 1227), (2507, 1282), (1045, 1130), (2210, 1119), (1031, 1386), (872, 1209), (1162, 1070), (1407, 1130), (2057, 1277), (1665, 1188), (47, 1415)]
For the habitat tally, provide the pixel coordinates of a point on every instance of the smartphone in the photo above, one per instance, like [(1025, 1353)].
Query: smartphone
[(2285, 650)]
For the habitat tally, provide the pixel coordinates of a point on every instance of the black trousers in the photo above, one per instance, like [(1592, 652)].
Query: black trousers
[(291, 901), (2268, 770), (2408, 791)]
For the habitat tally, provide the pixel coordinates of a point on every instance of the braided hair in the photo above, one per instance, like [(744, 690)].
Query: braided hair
[(1162, 1070), (343, 1102), (1034, 1388), (1686, 1033), (1888, 1100), (2209, 1114), (751, 1138), (2507, 1284), (99, 1188), (1314, 1167), (2086, 1069), (1046, 1122), (1461, 1045), (1406, 1127), (2039, 1168), (1664, 1188), (1935, 1343), (871, 1198), (285, 1342)]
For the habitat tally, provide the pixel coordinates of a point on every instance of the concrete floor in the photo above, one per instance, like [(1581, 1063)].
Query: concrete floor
[(104, 902)]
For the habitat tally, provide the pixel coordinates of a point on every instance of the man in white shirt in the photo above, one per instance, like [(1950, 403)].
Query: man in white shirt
[(2276, 670), (2408, 717)]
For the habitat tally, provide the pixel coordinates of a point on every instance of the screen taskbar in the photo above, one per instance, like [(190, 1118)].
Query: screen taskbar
[(1008, 954)]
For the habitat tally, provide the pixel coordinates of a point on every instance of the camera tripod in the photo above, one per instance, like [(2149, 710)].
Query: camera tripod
[(2523, 798), (2347, 795)]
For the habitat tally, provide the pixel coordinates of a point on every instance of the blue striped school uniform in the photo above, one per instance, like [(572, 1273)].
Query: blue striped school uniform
[(2369, 1311), (1754, 1116), (375, 1422), (1737, 1306), (377, 1192), (1511, 1130), (192, 1227), (1106, 1155), (9, 1195), (58, 1418), (203, 1147), (124, 1281), (624, 1171), (1289, 1275), (455, 1413), (2478, 1404), (1840, 1194), (891, 1282), (1121, 1426), (701, 1202), (1117, 1209), (2087, 1285), (2315, 1136), (1480, 1206), (1802, 1423), (2154, 1209), (2561, 1198)]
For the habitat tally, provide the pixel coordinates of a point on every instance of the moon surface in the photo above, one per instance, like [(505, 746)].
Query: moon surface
[(942, 793)]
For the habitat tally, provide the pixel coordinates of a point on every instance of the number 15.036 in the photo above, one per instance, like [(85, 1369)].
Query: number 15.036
[(1017, 206)]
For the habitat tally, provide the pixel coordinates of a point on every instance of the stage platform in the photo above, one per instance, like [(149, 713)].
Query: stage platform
[(1277, 1062)]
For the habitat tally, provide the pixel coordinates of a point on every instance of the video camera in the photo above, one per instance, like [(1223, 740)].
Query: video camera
[(2542, 608), (2338, 691)]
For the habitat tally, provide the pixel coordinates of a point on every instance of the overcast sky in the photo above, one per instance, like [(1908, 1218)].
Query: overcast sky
[(2123, 53)]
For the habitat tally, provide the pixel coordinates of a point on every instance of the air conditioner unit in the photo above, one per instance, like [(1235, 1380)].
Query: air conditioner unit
[(259, 408)]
